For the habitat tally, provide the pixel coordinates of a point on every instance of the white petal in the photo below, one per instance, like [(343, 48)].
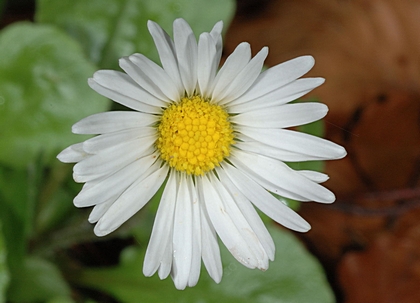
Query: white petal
[(314, 175), (99, 210), (210, 247), (284, 181), (99, 143), (280, 190), (266, 202), (166, 262), (282, 95), (140, 76), (131, 201), (111, 187), (186, 51), (208, 63), (162, 229), (73, 154), (109, 122), (279, 75), (283, 116), (242, 224), (269, 151), (314, 148), (122, 89), (182, 235), (244, 79), (216, 34), (223, 218), (162, 82), (114, 158), (234, 64), (166, 52), (249, 213), (196, 236)]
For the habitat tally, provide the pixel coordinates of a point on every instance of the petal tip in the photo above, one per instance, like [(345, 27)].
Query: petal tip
[(99, 232), (341, 152), (61, 156), (76, 129)]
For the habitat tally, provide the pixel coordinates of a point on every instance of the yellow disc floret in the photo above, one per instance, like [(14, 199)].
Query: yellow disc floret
[(194, 136)]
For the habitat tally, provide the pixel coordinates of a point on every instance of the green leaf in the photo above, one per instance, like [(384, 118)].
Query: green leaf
[(43, 91), (54, 207), (4, 273), (37, 280), (109, 32), (17, 204), (294, 276), (61, 300)]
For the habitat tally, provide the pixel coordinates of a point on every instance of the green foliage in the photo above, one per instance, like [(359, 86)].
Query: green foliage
[(294, 276), (37, 280), (109, 32), (4, 272), (16, 210), (43, 91)]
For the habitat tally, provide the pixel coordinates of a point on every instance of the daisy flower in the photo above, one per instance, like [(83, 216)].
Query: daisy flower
[(218, 139)]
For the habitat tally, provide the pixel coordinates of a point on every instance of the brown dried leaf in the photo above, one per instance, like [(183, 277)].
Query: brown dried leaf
[(389, 271)]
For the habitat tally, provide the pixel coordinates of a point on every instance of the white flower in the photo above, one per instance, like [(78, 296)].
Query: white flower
[(217, 137)]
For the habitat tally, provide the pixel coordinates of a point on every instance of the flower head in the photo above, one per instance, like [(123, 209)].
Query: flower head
[(218, 138)]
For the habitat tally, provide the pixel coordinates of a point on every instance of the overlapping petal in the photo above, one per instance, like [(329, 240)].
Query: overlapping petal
[(122, 89), (147, 74), (186, 52), (234, 64), (314, 148), (277, 177), (132, 200), (110, 122), (279, 96), (112, 186), (162, 229), (262, 199), (72, 154), (278, 76), (283, 116), (166, 50), (208, 61)]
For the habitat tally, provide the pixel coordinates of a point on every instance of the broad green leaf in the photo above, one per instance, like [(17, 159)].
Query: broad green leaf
[(119, 27), (294, 276), (16, 209), (4, 273), (43, 91), (61, 300), (56, 211), (37, 280), (54, 205)]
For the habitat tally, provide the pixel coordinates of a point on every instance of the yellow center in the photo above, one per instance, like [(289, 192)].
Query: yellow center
[(194, 136)]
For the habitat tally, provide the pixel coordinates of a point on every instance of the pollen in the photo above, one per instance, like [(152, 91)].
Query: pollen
[(194, 136)]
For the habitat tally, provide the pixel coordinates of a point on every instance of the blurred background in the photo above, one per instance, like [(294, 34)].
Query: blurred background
[(364, 248)]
